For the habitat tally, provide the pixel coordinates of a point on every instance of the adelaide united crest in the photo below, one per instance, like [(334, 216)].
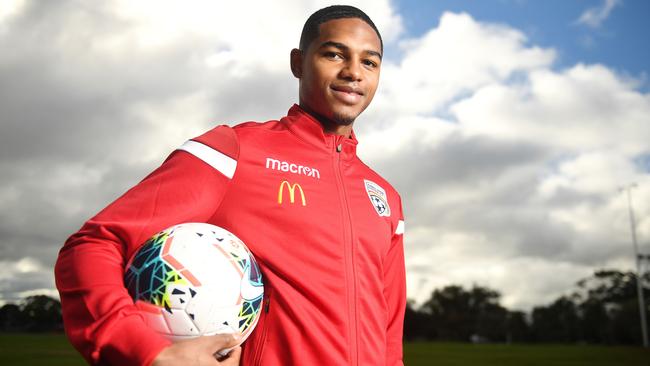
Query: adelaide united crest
[(377, 197)]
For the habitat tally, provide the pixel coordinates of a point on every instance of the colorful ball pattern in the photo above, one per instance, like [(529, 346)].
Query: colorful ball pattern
[(196, 279)]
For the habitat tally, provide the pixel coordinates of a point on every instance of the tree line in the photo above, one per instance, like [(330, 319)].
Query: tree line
[(37, 313), (603, 309)]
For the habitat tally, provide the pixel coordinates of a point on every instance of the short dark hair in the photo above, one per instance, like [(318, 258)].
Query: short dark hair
[(311, 30)]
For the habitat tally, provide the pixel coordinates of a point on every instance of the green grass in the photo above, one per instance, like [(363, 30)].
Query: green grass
[(460, 354), (54, 350), (37, 349)]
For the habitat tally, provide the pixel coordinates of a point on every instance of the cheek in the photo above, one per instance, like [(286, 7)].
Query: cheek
[(311, 85), (325, 72), (319, 86), (373, 83)]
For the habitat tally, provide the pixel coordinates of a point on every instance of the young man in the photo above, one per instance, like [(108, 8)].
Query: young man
[(325, 229)]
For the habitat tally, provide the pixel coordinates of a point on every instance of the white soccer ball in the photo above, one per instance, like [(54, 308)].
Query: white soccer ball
[(196, 279)]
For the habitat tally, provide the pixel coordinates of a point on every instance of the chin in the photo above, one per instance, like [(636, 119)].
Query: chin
[(344, 119), (344, 115)]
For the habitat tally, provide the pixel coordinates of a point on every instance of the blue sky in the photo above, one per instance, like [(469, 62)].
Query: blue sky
[(620, 41)]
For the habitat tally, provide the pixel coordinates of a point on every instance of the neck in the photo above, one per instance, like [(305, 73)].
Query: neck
[(330, 126), (338, 129)]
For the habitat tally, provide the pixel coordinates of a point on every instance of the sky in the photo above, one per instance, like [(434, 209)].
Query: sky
[(508, 126), (610, 32)]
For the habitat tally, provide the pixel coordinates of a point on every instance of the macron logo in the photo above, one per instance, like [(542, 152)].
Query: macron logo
[(284, 166)]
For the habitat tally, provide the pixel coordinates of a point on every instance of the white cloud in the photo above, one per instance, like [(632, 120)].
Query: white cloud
[(594, 17), (584, 107), (508, 166), (455, 58), (96, 95), (10, 8), (24, 277)]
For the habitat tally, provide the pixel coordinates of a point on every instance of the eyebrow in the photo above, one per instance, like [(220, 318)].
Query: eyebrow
[(343, 47)]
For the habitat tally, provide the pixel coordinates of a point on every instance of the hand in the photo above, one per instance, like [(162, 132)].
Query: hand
[(200, 351)]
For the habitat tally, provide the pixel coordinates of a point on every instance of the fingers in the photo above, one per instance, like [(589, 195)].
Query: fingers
[(233, 357), (201, 351), (221, 341)]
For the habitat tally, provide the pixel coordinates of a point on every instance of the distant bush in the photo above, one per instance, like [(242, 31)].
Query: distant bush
[(38, 313), (603, 310)]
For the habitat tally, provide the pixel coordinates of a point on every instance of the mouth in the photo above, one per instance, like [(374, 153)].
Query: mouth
[(347, 89), (348, 94)]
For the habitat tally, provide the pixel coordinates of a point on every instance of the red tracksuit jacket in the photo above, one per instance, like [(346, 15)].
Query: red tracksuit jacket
[(324, 227)]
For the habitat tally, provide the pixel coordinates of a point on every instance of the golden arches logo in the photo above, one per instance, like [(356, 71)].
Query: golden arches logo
[(292, 192)]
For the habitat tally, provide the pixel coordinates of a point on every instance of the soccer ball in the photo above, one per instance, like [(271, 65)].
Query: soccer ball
[(196, 279)]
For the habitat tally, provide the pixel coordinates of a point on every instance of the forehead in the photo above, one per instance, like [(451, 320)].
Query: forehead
[(353, 32)]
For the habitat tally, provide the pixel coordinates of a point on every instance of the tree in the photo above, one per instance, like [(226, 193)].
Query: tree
[(603, 309), (595, 322), (416, 324), (11, 318), (457, 314), (557, 322), (517, 328), (608, 307), (42, 313)]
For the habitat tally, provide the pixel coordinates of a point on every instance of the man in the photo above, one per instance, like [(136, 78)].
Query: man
[(325, 229)]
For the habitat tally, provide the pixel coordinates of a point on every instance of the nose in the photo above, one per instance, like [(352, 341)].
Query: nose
[(351, 70)]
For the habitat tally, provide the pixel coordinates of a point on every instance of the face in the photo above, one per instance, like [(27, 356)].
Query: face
[(339, 71)]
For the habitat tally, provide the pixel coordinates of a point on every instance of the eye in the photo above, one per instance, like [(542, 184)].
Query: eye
[(332, 55), (370, 63)]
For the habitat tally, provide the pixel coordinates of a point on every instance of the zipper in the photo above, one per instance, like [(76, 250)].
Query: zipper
[(348, 248), (257, 359)]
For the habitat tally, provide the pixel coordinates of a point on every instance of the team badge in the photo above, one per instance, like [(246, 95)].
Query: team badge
[(377, 197)]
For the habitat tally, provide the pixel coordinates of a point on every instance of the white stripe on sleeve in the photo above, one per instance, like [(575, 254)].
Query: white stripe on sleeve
[(400, 228), (223, 163)]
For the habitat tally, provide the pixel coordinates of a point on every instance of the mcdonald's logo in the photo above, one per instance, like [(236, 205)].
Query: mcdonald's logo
[(292, 192)]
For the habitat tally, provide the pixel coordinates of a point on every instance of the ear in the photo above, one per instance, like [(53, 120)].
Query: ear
[(296, 62)]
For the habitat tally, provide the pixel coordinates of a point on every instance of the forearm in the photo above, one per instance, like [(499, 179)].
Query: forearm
[(100, 318)]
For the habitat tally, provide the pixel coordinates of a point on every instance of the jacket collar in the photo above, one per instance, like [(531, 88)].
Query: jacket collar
[(307, 128)]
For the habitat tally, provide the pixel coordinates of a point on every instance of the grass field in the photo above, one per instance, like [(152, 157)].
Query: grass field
[(54, 350), (460, 354)]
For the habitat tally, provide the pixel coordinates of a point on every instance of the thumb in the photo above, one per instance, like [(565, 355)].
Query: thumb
[(220, 341)]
